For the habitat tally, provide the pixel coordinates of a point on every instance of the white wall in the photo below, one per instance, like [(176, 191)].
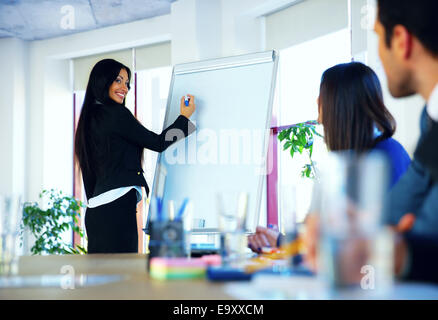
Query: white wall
[(6, 111), (14, 84), (13, 81), (211, 29), (58, 128), (243, 25), (305, 21)]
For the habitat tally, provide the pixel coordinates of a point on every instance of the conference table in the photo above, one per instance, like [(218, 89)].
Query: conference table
[(100, 276), (125, 276)]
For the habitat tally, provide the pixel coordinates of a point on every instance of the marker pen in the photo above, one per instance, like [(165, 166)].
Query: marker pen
[(186, 101), (181, 210)]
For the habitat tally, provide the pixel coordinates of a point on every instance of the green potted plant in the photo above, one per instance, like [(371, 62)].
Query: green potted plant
[(299, 138), (62, 214)]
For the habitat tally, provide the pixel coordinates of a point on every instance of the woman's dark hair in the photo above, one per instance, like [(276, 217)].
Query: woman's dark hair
[(351, 102), (89, 151), (418, 17)]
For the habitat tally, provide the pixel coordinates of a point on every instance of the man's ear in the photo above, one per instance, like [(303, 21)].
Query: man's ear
[(402, 41)]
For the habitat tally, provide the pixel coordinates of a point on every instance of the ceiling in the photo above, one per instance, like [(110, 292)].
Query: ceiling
[(43, 19)]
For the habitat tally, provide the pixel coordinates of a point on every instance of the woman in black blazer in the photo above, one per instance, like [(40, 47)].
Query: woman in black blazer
[(109, 147)]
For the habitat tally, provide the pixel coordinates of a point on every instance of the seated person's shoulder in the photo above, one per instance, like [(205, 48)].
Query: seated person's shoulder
[(393, 149), (390, 144), (398, 159)]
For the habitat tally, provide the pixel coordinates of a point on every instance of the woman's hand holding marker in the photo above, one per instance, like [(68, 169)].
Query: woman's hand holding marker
[(188, 106)]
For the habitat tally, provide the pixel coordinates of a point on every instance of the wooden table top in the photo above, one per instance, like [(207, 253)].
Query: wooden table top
[(136, 283), (133, 282)]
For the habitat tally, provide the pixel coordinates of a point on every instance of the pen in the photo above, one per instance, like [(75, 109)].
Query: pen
[(186, 101), (159, 208), (181, 210)]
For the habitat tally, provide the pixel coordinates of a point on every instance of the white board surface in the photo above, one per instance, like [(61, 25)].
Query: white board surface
[(227, 153)]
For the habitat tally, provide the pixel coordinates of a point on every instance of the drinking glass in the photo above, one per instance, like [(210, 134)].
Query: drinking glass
[(10, 217), (232, 210), (288, 213), (354, 250)]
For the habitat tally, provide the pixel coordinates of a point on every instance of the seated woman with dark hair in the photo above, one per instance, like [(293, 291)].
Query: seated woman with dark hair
[(351, 109), (354, 117)]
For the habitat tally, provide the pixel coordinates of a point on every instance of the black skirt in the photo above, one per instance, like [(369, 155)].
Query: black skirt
[(112, 227)]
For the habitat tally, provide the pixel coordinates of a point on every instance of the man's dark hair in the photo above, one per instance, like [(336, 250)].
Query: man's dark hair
[(418, 17)]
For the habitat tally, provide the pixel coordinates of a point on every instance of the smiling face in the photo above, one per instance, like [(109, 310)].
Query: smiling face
[(120, 87)]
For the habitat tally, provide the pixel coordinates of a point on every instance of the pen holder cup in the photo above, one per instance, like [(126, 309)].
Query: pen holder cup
[(166, 239)]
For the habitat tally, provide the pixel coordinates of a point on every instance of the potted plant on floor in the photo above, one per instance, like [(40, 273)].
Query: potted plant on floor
[(47, 225)]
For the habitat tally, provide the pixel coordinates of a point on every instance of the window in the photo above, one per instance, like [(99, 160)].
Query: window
[(300, 70), (152, 87), (78, 100)]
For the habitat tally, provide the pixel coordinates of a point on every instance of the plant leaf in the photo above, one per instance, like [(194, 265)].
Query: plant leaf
[(287, 145)]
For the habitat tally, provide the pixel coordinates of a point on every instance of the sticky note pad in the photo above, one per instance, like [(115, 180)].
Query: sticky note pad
[(177, 268)]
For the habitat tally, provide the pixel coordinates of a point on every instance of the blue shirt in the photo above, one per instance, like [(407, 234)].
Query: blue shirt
[(397, 157)]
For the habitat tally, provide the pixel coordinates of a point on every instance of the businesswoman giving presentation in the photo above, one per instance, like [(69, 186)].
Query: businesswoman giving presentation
[(109, 146)]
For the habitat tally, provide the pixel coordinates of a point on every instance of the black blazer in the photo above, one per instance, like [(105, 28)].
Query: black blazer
[(118, 140), (423, 249)]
